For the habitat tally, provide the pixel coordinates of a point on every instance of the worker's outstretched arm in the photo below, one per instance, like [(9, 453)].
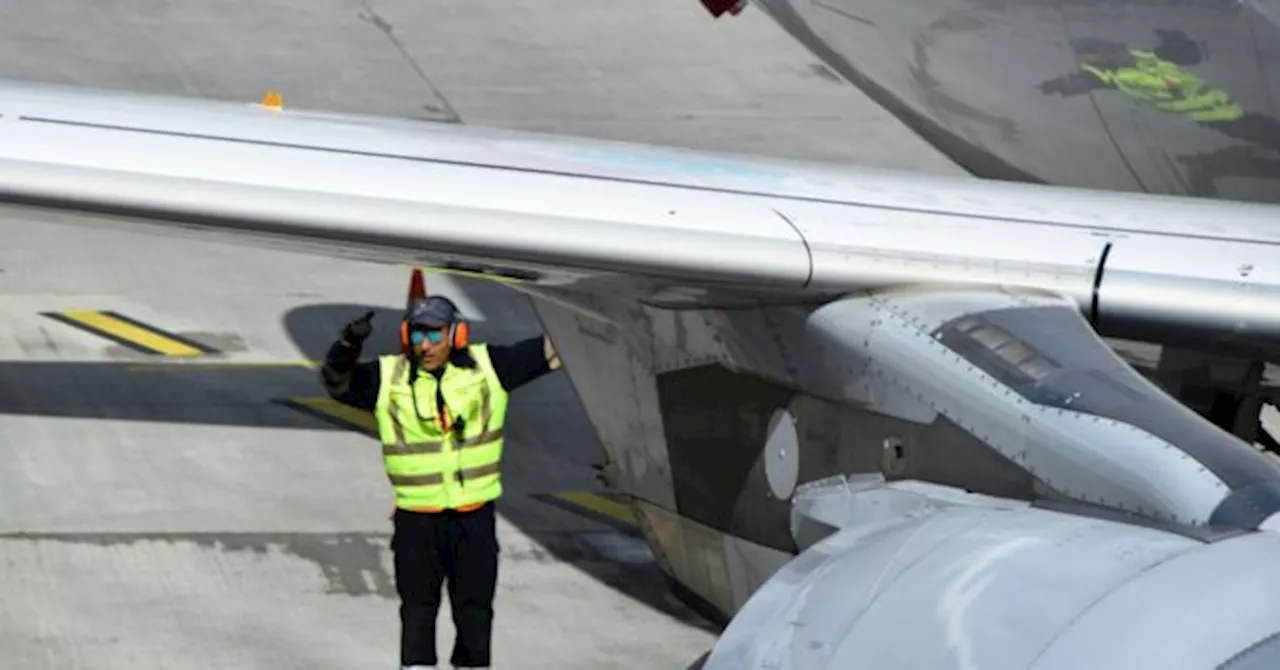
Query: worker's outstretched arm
[(345, 378), (520, 363)]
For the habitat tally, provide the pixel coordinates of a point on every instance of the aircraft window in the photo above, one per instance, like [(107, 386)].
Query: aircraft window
[(1038, 368), (1015, 353), (999, 353), (1052, 357), (1074, 373), (989, 336)]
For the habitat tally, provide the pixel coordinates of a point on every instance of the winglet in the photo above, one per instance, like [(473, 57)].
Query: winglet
[(417, 287), (273, 100)]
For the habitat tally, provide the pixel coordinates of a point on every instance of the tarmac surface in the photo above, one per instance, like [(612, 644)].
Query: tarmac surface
[(160, 510)]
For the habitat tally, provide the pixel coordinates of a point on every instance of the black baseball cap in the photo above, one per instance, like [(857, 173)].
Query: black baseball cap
[(432, 312)]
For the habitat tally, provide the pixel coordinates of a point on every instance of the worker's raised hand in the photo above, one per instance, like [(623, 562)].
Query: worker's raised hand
[(359, 329)]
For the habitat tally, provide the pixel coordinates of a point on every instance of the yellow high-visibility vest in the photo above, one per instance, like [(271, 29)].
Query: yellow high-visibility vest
[(435, 462)]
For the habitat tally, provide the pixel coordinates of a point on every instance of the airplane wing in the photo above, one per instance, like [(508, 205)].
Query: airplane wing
[(667, 226), (998, 390)]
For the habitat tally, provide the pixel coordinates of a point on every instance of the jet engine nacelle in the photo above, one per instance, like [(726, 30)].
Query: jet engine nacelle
[(910, 575)]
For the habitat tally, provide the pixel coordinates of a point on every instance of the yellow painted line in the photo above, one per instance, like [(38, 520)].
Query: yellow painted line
[(473, 274), (599, 504), (130, 333), (490, 272), (335, 412)]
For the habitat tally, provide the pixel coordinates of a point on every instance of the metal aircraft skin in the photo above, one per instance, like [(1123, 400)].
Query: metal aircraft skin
[(869, 413), (1160, 96)]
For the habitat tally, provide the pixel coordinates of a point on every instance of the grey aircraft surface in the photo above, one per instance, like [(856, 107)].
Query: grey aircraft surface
[(866, 418), (1161, 96)]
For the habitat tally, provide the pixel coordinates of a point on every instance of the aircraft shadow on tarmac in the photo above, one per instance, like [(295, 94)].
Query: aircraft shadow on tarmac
[(544, 418)]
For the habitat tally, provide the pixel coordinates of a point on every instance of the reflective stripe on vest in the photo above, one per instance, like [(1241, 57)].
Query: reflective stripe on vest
[(434, 465)]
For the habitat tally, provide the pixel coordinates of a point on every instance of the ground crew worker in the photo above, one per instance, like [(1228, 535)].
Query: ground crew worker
[(440, 411)]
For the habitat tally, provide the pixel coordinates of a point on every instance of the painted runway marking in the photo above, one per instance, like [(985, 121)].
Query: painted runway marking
[(606, 508), (335, 413), (133, 334)]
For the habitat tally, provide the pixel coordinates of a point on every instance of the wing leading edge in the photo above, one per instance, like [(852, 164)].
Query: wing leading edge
[(647, 222)]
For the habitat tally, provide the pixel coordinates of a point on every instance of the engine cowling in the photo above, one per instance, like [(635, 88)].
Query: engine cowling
[(911, 575)]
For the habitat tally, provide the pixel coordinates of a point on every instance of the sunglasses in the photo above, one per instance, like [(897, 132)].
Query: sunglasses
[(432, 336)]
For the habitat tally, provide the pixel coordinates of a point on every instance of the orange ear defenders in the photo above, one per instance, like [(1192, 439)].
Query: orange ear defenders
[(460, 333), (404, 337), (459, 330)]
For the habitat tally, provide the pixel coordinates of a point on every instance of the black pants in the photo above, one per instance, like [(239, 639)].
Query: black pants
[(461, 547)]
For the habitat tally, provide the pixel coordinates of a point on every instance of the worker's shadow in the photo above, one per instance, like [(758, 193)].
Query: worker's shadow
[(314, 328)]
